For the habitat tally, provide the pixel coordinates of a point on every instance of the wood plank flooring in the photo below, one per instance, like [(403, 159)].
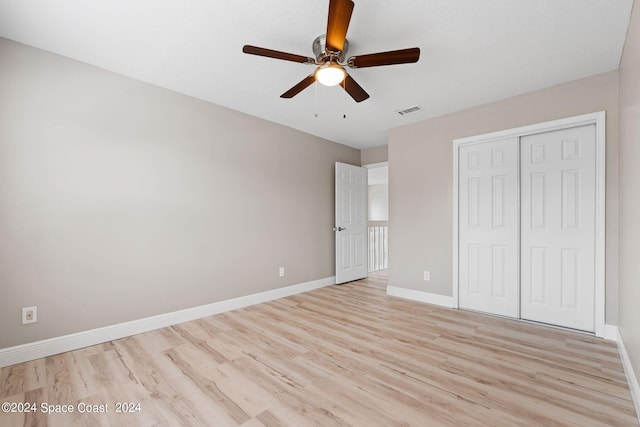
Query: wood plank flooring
[(345, 355)]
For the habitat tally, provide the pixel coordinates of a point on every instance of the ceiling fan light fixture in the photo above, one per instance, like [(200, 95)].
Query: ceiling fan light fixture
[(330, 74), (330, 51)]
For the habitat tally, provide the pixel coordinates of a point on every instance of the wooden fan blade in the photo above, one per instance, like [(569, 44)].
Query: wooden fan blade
[(338, 23), (306, 82), (402, 56), (269, 53), (354, 89)]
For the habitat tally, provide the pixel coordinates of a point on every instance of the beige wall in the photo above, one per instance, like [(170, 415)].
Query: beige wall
[(630, 191), (420, 178), (370, 156), (120, 200)]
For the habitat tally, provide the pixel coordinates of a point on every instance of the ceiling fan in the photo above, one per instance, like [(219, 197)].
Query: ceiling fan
[(330, 51)]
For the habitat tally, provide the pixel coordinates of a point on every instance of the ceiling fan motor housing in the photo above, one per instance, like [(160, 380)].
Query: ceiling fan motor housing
[(323, 55)]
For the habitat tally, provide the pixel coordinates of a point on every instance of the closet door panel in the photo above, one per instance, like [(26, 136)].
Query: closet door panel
[(488, 227), (558, 227)]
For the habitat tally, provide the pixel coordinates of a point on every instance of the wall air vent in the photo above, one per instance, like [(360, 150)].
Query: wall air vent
[(409, 110)]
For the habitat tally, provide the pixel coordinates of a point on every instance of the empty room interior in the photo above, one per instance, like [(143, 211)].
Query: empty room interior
[(320, 213)]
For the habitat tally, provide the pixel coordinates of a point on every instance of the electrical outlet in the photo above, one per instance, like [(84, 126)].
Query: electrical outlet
[(29, 315), (427, 275), (281, 272)]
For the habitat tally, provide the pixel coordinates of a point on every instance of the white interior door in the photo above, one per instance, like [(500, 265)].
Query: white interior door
[(488, 227), (558, 227), (351, 222)]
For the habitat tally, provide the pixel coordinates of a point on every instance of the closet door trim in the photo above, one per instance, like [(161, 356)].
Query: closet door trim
[(598, 119)]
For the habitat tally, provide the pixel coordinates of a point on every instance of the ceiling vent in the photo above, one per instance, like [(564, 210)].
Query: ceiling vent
[(409, 110)]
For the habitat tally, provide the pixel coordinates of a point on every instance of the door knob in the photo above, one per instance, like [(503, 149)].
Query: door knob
[(339, 228)]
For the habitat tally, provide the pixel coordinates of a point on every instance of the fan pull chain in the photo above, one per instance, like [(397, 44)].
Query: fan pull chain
[(315, 84)]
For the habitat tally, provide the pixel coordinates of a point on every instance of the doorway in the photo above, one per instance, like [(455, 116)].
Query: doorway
[(378, 216)]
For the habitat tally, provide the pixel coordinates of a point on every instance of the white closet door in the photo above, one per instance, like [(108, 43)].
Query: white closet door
[(488, 227), (558, 227)]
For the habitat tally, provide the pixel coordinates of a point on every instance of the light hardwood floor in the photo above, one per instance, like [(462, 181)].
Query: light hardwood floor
[(341, 355)]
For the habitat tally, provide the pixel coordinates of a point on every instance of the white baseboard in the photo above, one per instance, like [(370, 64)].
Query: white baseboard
[(51, 346), (611, 333), (412, 294), (632, 379)]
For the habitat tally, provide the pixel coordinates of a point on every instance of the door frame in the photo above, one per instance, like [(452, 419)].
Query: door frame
[(599, 119)]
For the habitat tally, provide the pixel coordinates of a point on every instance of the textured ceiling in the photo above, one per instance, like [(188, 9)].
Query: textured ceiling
[(472, 52)]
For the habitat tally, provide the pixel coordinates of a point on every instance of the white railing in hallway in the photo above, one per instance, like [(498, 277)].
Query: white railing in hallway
[(378, 245)]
